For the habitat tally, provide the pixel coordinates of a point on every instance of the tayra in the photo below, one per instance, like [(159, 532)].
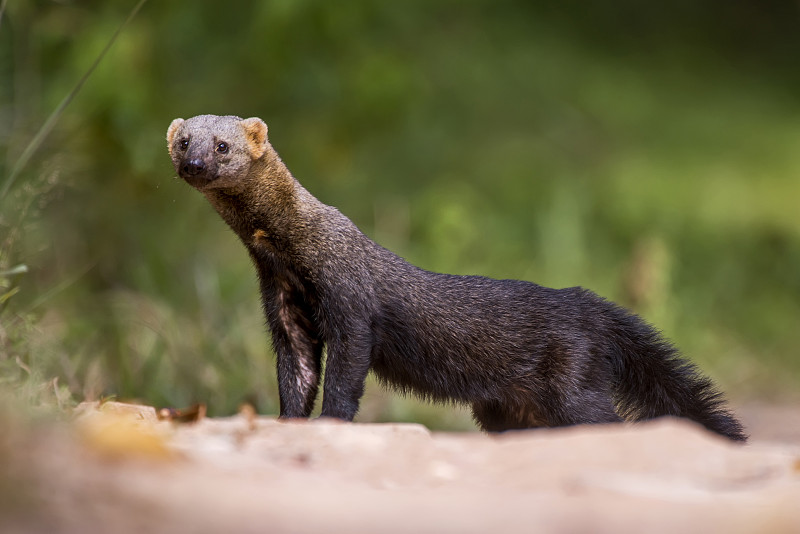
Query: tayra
[(521, 355)]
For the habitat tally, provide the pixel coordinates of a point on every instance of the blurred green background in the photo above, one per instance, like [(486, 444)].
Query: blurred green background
[(648, 151)]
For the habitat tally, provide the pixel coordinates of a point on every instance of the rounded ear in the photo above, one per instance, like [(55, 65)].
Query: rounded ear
[(256, 133), (172, 130)]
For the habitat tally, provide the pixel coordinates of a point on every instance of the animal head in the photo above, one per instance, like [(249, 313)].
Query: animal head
[(214, 152)]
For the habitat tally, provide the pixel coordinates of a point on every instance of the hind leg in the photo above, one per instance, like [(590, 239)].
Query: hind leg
[(496, 416), (586, 408)]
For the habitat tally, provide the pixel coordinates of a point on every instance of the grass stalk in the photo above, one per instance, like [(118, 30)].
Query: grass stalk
[(51, 121)]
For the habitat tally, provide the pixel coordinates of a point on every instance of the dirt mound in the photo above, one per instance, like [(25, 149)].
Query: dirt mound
[(131, 473)]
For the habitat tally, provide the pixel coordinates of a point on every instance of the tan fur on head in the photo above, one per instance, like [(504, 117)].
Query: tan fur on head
[(256, 131), (228, 157), (173, 127)]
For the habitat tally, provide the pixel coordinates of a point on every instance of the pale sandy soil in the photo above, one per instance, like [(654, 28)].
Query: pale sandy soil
[(130, 473)]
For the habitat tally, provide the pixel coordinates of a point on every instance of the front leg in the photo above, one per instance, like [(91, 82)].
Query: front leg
[(298, 362), (298, 348), (346, 367)]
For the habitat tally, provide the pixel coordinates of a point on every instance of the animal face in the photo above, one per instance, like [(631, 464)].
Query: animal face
[(215, 152)]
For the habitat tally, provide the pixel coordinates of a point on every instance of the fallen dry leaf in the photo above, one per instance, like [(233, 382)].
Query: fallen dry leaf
[(192, 414)]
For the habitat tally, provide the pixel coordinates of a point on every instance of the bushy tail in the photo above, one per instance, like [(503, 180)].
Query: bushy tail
[(653, 380)]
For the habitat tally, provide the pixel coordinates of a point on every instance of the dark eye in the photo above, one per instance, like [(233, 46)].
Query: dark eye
[(184, 144), (222, 148)]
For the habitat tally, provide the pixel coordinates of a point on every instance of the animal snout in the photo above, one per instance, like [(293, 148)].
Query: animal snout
[(193, 167)]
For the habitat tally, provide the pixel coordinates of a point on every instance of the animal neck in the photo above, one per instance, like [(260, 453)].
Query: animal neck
[(266, 210)]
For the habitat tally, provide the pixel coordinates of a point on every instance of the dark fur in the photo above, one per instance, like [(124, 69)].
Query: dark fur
[(520, 354)]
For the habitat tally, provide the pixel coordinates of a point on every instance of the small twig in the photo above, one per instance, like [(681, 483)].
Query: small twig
[(23, 366)]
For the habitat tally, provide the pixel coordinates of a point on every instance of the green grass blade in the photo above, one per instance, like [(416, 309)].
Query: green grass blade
[(51, 121), (2, 10), (17, 269), (8, 294)]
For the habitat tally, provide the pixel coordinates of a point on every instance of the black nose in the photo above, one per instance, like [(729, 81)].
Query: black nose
[(193, 167)]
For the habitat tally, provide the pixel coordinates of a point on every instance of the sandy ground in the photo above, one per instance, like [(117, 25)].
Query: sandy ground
[(118, 469)]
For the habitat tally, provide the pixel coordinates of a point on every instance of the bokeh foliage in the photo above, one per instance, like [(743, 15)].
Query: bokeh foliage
[(647, 151)]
